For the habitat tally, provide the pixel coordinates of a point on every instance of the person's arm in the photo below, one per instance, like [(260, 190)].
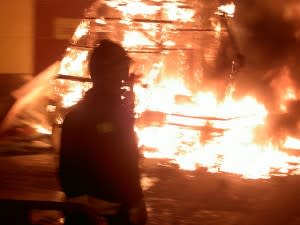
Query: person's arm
[(137, 207)]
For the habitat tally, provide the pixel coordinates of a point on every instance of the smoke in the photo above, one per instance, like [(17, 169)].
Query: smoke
[(268, 35)]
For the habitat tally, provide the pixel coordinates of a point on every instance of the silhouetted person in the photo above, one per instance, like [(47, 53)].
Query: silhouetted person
[(99, 155)]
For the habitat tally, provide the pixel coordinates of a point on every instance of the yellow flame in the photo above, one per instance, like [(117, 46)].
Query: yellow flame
[(137, 7), (176, 13), (72, 97), (172, 10), (74, 62), (230, 133), (192, 129), (71, 91), (290, 94), (218, 27), (169, 43), (42, 130), (292, 143), (228, 9), (81, 30), (135, 39), (100, 21)]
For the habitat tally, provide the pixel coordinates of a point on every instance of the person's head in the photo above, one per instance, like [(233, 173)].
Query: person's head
[(109, 65)]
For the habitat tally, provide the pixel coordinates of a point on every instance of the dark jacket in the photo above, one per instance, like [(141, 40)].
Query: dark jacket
[(99, 154)]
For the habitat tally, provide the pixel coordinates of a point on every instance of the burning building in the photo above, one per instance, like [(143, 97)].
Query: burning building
[(188, 105)]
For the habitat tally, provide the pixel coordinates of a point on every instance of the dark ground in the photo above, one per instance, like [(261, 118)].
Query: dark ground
[(173, 196)]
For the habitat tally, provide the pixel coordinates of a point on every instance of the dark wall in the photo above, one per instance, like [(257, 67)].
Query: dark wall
[(12, 82), (55, 21)]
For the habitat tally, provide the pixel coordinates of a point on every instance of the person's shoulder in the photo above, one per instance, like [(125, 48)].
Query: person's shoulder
[(75, 116)]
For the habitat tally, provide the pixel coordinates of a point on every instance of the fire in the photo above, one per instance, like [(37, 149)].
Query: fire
[(284, 87), (176, 13), (192, 128), (218, 136), (135, 8), (74, 62), (292, 143), (43, 130), (218, 28), (134, 38), (72, 97), (228, 9), (81, 30), (69, 92), (171, 10)]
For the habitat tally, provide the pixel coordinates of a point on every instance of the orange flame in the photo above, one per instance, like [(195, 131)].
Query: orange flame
[(81, 30), (229, 130), (176, 13), (74, 62), (135, 38), (136, 8)]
